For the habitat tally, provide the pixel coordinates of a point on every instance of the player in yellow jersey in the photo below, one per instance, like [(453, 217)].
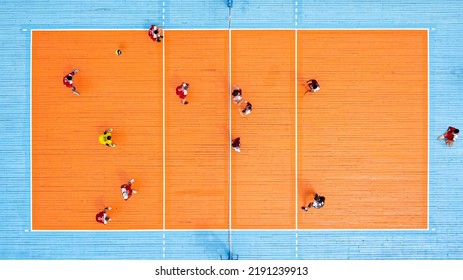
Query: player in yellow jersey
[(106, 138)]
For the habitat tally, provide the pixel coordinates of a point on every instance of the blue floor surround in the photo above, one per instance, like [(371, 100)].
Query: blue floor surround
[(443, 239)]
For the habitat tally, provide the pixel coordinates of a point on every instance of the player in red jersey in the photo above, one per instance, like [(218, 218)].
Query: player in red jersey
[(236, 144), (182, 91), (311, 86), (155, 33), (102, 217), (450, 135), (68, 82), (127, 190)]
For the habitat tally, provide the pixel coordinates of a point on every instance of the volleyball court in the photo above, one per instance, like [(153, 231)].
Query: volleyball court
[(361, 141)]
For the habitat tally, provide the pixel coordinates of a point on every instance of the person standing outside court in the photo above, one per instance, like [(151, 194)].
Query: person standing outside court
[(450, 135)]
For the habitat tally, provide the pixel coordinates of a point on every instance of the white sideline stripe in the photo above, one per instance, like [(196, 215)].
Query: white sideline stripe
[(163, 135), (296, 150), (429, 138), (235, 230), (230, 149), (297, 243), (295, 125), (222, 29), (30, 126), (93, 29)]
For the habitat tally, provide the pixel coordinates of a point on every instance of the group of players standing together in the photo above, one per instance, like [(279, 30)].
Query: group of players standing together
[(245, 108), (311, 86)]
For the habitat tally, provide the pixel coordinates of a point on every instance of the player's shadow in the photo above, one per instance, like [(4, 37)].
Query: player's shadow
[(214, 243), (306, 191)]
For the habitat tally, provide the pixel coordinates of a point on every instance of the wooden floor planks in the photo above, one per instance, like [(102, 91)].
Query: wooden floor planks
[(362, 137), (362, 140), (196, 134), (263, 182), (74, 176)]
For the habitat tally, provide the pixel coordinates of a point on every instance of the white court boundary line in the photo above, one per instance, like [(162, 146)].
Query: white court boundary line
[(236, 29), (296, 146), (226, 230), (296, 150), (163, 136), (296, 111), (30, 127), (429, 125)]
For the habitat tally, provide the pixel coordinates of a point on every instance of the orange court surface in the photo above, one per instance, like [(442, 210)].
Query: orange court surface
[(361, 141)]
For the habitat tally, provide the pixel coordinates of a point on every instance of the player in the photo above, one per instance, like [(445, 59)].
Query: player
[(102, 217), (236, 144), (106, 138), (247, 110), (319, 202), (127, 190), (450, 135), (155, 33), (182, 91), (311, 86), (237, 97), (67, 81)]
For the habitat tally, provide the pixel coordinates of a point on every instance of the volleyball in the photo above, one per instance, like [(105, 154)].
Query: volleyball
[(118, 52)]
